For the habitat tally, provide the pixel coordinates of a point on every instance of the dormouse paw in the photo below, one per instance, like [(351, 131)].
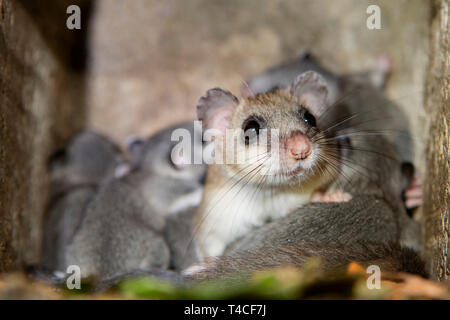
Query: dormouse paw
[(197, 269), (335, 196), (413, 194)]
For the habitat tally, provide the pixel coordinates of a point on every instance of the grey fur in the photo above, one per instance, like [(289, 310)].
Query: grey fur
[(333, 257), (179, 236)]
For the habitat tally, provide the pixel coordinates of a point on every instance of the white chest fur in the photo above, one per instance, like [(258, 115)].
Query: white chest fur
[(233, 212)]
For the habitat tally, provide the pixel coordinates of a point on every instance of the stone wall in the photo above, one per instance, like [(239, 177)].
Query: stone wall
[(437, 182), (41, 106)]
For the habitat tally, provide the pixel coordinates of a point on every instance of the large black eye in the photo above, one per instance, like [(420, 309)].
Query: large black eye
[(251, 129), (309, 119)]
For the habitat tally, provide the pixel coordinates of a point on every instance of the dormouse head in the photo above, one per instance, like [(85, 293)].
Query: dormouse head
[(88, 159), (274, 133), (160, 155), (163, 168)]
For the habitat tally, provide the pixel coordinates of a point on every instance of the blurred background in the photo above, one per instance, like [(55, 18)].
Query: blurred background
[(138, 66)]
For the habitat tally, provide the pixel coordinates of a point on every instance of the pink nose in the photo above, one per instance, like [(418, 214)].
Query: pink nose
[(298, 146)]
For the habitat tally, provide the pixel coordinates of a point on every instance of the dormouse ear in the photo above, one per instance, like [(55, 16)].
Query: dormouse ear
[(134, 146), (216, 108), (311, 89)]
